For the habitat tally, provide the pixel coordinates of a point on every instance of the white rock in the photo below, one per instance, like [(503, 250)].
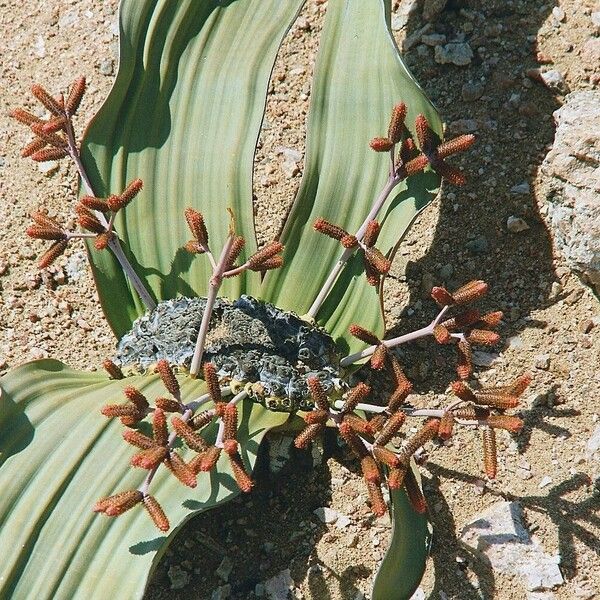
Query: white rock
[(545, 482), (593, 444), (456, 53), (76, 266), (558, 13), (484, 359), (418, 595), (571, 184), (223, 571), (39, 47), (516, 224), (554, 81), (520, 188), (596, 21), (342, 521), (48, 167), (400, 18), (498, 535), (279, 586), (291, 158), (326, 514)]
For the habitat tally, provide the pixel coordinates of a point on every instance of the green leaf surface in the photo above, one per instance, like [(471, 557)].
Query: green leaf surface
[(184, 116), (359, 77), (58, 455), (403, 565)]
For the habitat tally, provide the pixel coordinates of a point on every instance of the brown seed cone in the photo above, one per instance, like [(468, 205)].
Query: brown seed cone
[(112, 369), (93, 203), (202, 419), (52, 254), (159, 427), (378, 505), (354, 442), (230, 421), (408, 150), (471, 413), (52, 138), (230, 447), (266, 252), (116, 505), (189, 436), (329, 229), (491, 319), (47, 100), (465, 319), (396, 126), (458, 144), (44, 220), (510, 423), (373, 277), (396, 477), (163, 368), (381, 144), (464, 367), (442, 296), (371, 233), (378, 261), (441, 335), (317, 393), (364, 335), (239, 472), (391, 427), (370, 469), (132, 420), (220, 409), (75, 95), (414, 493), (236, 248), (418, 440), (359, 425), (520, 384), (45, 233), (463, 392), (500, 400), (24, 116), (212, 382), (168, 405), (127, 195), (483, 337), (48, 154), (88, 221), (120, 410), (55, 124), (357, 394), (446, 426), (102, 240), (181, 469), (193, 247), (399, 377), (195, 222), (398, 396), (377, 422), (138, 439), (416, 165), (136, 397), (424, 134), (490, 459), (206, 461), (308, 435), (272, 263), (349, 241), (33, 147), (149, 458), (379, 356), (156, 513), (474, 290), (449, 173), (387, 457), (316, 416)]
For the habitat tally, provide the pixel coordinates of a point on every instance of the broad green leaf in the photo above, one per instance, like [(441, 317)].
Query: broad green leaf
[(403, 565), (58, 455), (359, 76), (184, 116)]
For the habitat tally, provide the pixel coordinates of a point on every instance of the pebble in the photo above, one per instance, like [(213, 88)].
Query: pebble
[(455, 53), (542, 361), (558, 13), (463, 126), (291, 158), (178, 577), (545, 482), (586, 325), (326, 514), (221, 593), (479, 245), (279, 586), (593, 444), (107, 67), (472, 91), (484, 359), (520, 188), (224, 569), (432, 9), (516, 224), (48, 168), (433, 39), (596, 21), (554, 81)]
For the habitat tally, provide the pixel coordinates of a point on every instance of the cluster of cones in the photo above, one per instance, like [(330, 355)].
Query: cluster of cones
[(159, 449)]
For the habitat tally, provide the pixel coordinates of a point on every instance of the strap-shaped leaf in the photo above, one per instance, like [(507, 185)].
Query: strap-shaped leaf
[(359, 76), (184, 116), (58, 455), (403, 565)]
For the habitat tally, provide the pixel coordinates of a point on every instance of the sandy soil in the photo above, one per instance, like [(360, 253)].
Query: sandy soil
[(551, 328)]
